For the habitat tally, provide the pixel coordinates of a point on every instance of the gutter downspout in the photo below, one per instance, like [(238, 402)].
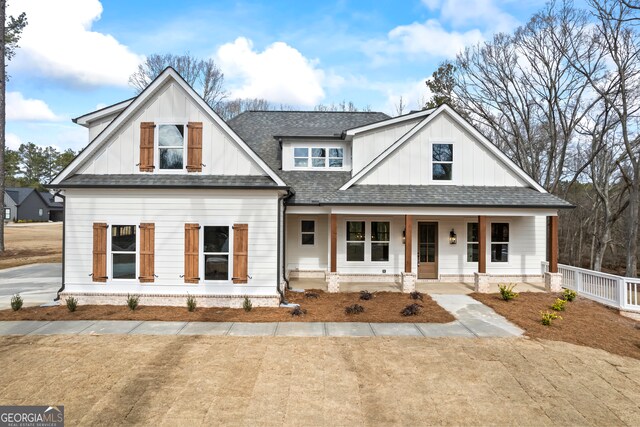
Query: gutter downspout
[(64, 226), (279, 242)]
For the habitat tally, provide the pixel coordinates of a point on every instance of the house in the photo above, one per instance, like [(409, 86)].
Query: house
[(28, 204), (167, 199), (56, 211)]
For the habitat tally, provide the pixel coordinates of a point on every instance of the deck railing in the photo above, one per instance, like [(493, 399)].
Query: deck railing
[(616, 291)]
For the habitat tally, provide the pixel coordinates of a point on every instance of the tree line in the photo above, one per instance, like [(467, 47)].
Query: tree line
[(33, 166), (561, 97)]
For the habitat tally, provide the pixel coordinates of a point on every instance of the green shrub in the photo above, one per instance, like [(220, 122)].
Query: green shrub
[(559, 304), (191, 303), (132, 301), (507, 291), (72, 303), (247, 304), (16, 302), (547, 318), (569, 295), (354, 309)]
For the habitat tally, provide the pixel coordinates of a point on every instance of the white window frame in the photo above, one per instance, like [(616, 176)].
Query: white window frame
[(7, 213), (156, 146), (306, 245), (202, 254), (469, 242), (371, 241), (327, 158), (432, 162), (364, 242), (40, 212), (110, 252), (491, 243)]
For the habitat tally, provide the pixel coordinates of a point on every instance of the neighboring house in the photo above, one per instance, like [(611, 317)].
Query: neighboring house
[(168, 200), (56, 211), (27, 204)]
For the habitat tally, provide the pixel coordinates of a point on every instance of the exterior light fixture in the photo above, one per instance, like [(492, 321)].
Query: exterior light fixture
[(453, 239), (404, 236)]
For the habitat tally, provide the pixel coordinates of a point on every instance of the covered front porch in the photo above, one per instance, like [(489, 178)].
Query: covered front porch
[(435, 250)]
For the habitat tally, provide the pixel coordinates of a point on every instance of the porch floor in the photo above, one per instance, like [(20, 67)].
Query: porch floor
[(450, 288)]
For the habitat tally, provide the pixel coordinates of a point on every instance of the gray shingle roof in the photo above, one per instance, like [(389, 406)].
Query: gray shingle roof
[(19, 194), (167, 181), (50, 199), (258, 128)]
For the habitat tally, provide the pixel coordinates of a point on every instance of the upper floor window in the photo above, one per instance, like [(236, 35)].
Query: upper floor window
[(442, 162), (318, 157), (171, 146)]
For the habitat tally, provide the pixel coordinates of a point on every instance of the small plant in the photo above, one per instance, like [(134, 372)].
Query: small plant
[(191, 303), (354, 309), (547, 318), (416, 295), (559, 305), (72, 303), (507, 291), (411, 310), (366, 295), (133, 301), (16, 302), (247, 304), (569, 295), (298, 311), (311, 295)]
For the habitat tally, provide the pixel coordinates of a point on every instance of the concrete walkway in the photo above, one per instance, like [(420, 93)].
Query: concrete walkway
[(473, 320), (37, 284)]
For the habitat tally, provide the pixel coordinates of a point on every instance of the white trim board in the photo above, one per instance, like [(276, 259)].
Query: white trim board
[(85, 119), (388, 122), (462, 122), (159, 82)]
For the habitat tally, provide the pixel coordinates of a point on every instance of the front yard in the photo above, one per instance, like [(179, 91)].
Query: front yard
[(583, 322), (31, 244)]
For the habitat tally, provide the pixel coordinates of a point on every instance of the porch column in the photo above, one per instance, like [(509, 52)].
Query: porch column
[(481, 278), (408, 278), (332, 279), (552, 279)]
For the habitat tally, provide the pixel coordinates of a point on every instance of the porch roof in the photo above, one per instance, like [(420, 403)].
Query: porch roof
[(167, 181)]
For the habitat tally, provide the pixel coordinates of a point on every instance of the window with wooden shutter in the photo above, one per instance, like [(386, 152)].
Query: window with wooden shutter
[(147, 252), (191, 254), (194, 147), (99, 273), (146, 146), (240, 253)]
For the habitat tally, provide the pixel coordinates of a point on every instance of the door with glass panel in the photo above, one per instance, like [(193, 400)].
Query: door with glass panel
[(427, 250)]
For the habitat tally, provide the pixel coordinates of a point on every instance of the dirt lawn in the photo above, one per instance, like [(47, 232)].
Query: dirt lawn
[(30, 244), (161, 380), (583, 322)]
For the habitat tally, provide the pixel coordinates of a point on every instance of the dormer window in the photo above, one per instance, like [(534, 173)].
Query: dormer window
[(318, 157), (442, 166), (171, 146)]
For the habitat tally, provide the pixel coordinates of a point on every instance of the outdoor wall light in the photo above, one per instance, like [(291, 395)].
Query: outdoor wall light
[(453, 239), (404, 236)]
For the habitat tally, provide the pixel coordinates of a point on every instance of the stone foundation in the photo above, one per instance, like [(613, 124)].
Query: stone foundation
[(231, 301), (481, 282), (333, 282), (306, 274), (408, 282), (553, 282), (492, 278)]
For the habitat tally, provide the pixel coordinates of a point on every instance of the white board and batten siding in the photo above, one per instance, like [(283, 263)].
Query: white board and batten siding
[(220, 154), (411, 163), (307, 257), (99, 125), (170, 210), (369, 145)]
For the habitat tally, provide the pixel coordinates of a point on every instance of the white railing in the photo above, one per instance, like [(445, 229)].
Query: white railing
[(616, 291)]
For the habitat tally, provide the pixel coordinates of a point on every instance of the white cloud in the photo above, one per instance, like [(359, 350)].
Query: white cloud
[(279, 74), (20, 108), (484, 13), (58, 43), (12, 141), (432, 39)]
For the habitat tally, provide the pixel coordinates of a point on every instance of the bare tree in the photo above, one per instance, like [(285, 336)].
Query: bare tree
[(202, 74), (400, 106)]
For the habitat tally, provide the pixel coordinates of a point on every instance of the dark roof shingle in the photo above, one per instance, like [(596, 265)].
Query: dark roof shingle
[(168, 181)]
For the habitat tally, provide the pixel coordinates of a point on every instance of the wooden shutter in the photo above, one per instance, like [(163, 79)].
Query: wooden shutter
[(194, 147), (146, 146), (99, 273), (240, 252), (191, 253), (147, 253)]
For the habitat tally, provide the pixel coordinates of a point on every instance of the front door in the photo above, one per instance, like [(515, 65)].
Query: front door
[(427, 250)]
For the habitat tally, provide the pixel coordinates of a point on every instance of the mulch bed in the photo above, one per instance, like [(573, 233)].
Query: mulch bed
[(385, 307), (584, 322)]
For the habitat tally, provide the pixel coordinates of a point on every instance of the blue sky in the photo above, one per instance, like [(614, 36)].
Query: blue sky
[(76, 55)]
